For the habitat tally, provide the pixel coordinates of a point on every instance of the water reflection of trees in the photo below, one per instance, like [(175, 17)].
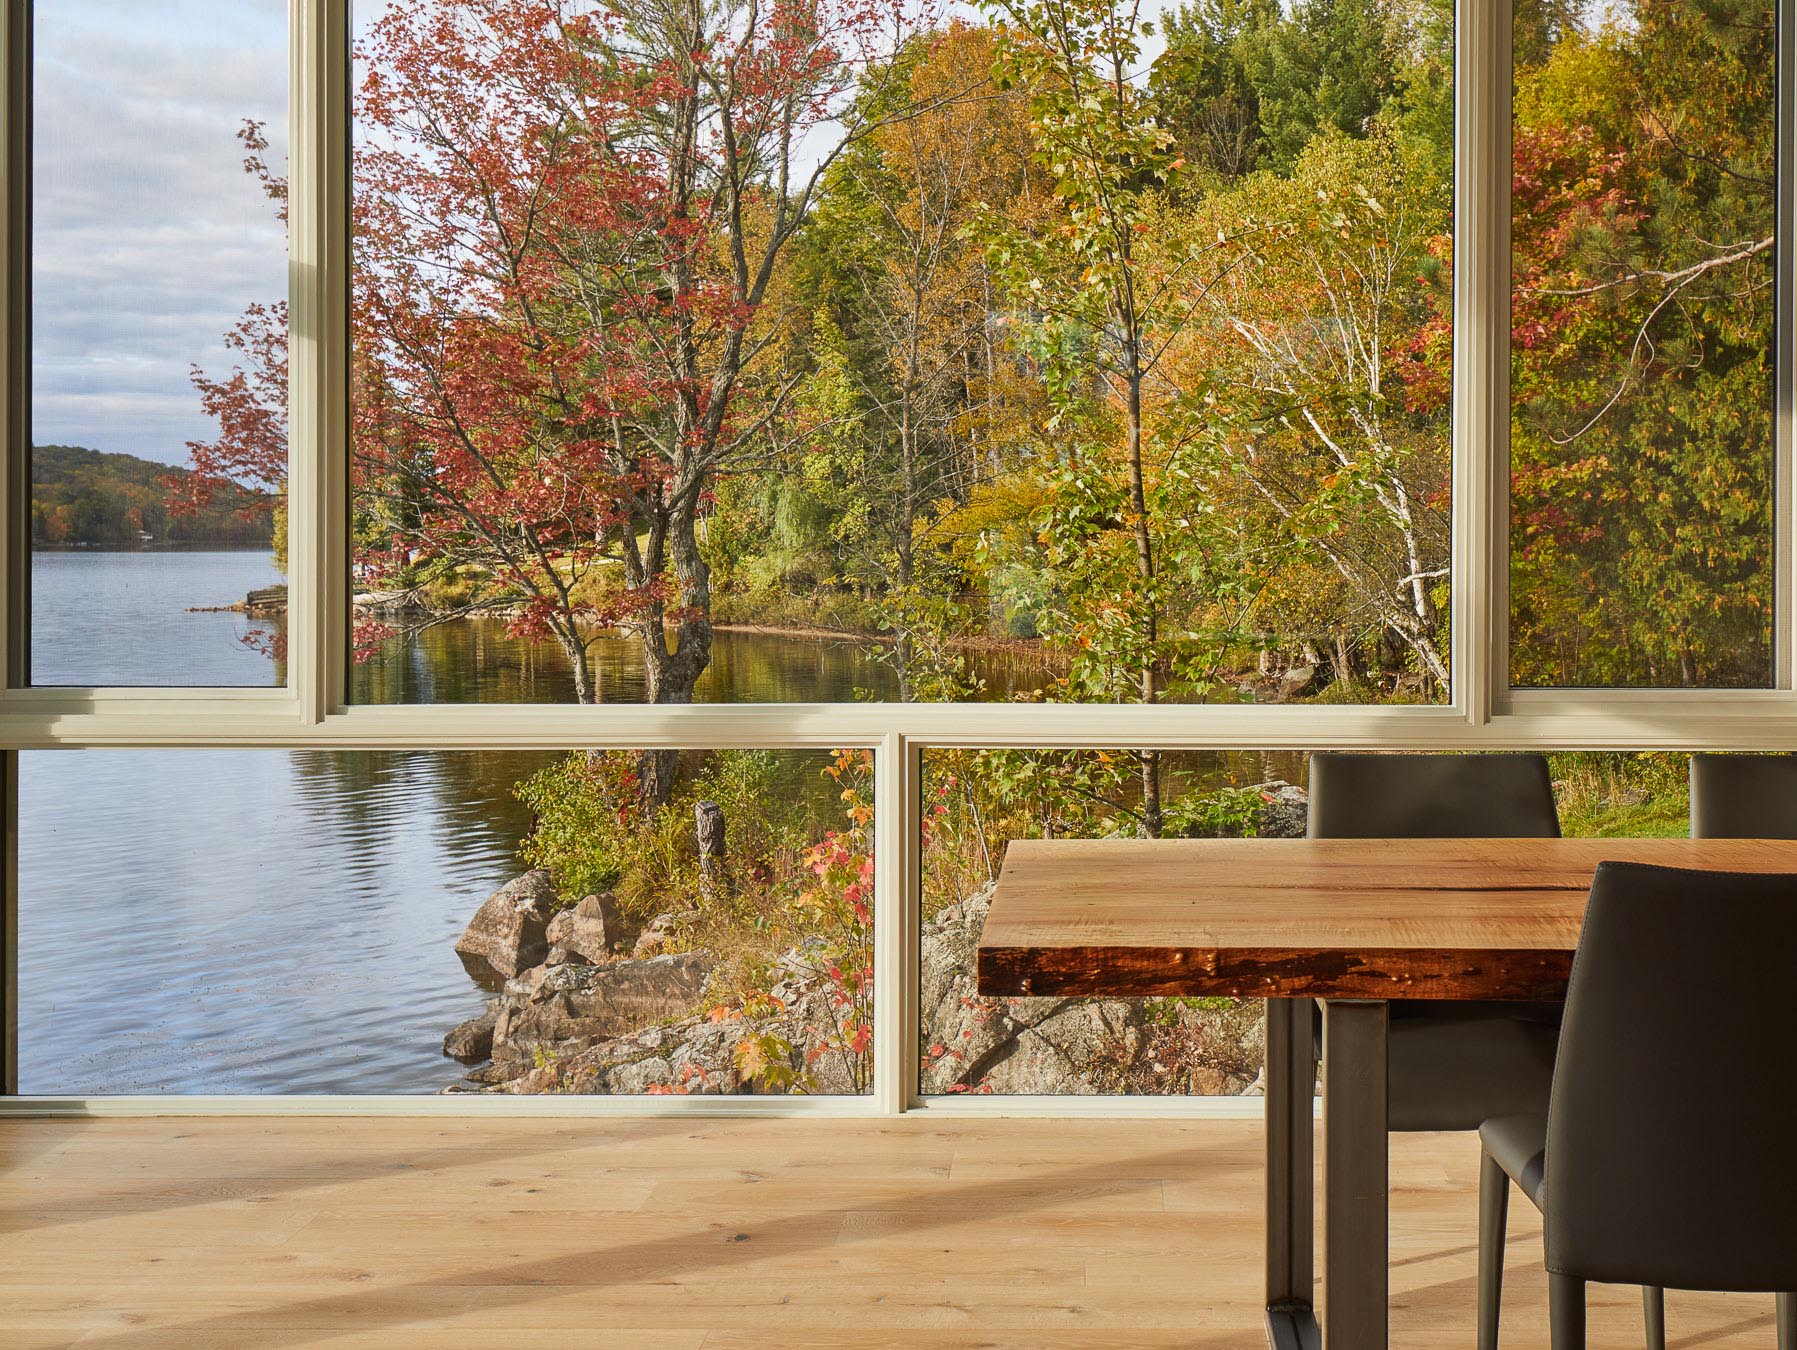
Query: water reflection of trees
[(468, 794), (476, 661)]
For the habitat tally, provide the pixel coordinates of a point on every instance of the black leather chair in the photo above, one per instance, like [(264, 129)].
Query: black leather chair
[(1744, 796), (1643, 1181), (1452, 1065)]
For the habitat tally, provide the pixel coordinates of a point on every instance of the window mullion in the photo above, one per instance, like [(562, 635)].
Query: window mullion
[(1480, 601), (898, 841), (15, 339), (318, 373), (1784, 450)]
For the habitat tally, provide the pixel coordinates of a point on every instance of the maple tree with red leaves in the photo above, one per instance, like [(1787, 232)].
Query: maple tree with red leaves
[(569, 223)]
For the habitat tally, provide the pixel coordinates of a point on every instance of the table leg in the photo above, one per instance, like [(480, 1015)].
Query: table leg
[(1290, 1088), (1356, 1174)]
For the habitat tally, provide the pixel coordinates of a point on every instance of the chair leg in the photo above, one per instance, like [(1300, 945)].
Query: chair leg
[(1653, 1304), (1566, 1312), (1787, 1321), (1494, 1214)]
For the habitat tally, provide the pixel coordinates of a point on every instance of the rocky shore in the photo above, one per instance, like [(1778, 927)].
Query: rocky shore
[(584, 1002)]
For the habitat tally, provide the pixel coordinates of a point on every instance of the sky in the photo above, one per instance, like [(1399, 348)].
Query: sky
[(148, 238)]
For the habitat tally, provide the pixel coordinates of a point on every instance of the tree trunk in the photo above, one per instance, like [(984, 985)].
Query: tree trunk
[(671, 674), (1150, 760), (575, 650), (714, 852)]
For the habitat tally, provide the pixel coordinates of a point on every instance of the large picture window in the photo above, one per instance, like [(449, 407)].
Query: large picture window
[(674, 389), (385, 923), (460, 440)]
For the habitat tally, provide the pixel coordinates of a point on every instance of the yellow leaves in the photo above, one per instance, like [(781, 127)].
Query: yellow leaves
[(752, 1057)]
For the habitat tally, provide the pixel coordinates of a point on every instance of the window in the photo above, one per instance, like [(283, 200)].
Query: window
[(205, 922), (158, 280), (1643, 309), (865, 434), (911, 440)]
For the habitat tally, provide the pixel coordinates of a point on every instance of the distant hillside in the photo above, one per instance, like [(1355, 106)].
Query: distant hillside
[(81, 496)]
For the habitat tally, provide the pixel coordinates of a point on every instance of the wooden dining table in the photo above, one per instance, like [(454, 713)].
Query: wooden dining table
[(1353, 923)]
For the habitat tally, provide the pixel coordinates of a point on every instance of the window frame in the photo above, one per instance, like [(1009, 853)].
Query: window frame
[(312, 711)]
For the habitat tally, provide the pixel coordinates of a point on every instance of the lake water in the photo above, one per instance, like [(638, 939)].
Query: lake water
[(208, 921), (262, 921), (141, 618), (127, 618)]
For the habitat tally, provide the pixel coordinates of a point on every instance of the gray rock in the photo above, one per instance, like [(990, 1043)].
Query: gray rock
[(508, 934), (575, 1006), (589, 932), (1297, 681), (662, 931), (472, 1041), (694, 1055), (634, 1026), (1284, 811)]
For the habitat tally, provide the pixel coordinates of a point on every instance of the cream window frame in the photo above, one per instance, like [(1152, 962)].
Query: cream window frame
[(312, 711)]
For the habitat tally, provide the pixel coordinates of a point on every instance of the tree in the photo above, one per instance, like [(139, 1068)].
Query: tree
[(568, 220), (905, 348), (1102, 310), (1642, 349), (1316, 378), (1203, 91)]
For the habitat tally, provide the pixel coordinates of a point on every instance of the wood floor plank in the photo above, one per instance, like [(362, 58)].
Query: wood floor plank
[(718, 1235)]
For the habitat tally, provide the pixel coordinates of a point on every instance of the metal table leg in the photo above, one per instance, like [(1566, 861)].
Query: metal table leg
[(1356, 1174), (1290, 1088)]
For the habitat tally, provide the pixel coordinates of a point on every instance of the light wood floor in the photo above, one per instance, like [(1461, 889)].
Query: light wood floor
[(1045, 1234)]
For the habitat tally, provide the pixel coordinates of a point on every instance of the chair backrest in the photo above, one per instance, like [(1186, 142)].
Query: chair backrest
[(1744, 796), (1672, 1131), (1431, 797)]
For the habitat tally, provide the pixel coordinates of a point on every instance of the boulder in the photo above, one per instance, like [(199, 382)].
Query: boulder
[(694, 1055), (472, 1041), (590, 932), (1297, 681), (661, 932), (573, 1006), (508, 934), (1284, 810)]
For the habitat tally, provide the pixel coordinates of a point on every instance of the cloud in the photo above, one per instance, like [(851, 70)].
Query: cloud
[(148, 237)]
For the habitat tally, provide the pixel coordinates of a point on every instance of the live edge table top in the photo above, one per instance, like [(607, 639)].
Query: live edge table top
[(1331, 918)]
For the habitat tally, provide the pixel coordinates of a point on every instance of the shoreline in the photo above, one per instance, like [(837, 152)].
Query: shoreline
[(183, 547), (397, 602)]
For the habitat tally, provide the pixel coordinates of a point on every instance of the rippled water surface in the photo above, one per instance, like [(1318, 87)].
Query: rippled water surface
[(146, 617), (208, 921), (260, 921)]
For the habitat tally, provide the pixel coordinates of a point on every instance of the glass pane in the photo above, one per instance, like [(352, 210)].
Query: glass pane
[(886, 429), (975, 802), (259, 921), (1612, 795), (159, 278), (1642, 348)]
